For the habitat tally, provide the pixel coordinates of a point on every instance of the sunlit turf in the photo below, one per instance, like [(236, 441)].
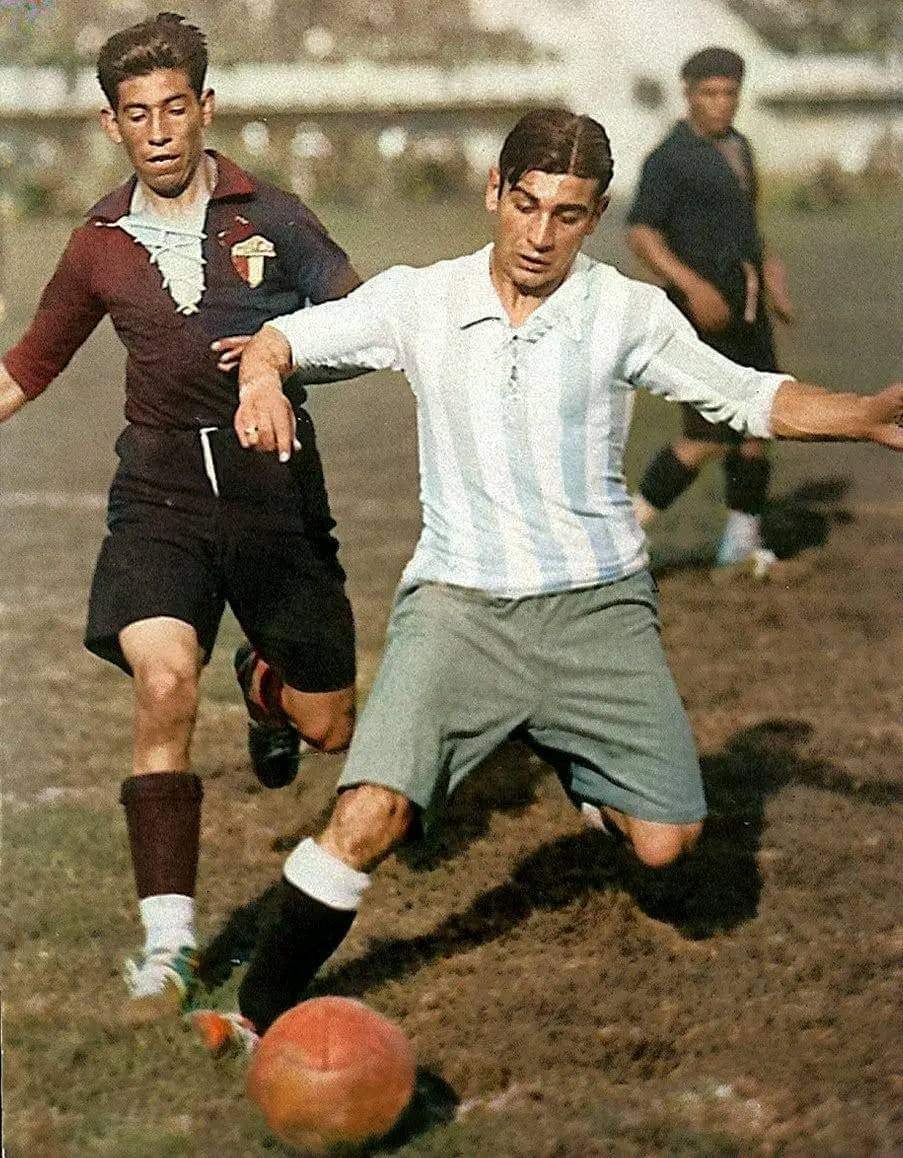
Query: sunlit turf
[(522, 960)]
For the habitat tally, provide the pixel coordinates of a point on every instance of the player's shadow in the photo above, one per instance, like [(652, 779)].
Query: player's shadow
[(798, 521), (713, 891)]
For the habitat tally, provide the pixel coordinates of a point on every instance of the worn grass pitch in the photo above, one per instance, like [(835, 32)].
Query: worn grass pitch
[(561, 1002)]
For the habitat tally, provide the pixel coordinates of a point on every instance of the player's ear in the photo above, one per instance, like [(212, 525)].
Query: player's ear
[(110, 125), (602, 203), (493, 189), (208, 103)]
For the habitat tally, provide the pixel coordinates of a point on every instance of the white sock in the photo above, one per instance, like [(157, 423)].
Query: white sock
[(742, 529), (324, 877), (168, 921)]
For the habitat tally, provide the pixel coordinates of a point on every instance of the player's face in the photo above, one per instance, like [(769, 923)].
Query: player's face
[(541, 222), (712, 103), (160, 122)]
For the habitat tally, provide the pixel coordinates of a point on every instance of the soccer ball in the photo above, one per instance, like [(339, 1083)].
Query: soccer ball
[(331, 1071)]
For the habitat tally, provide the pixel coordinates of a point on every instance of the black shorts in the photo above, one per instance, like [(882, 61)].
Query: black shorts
[(747, 344), (263, 544)]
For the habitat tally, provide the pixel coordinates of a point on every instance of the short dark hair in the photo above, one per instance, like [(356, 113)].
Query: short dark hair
[(164, 41), (713, 61), (556, 141)]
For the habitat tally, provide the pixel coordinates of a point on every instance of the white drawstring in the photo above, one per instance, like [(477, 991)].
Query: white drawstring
[(209, 465)]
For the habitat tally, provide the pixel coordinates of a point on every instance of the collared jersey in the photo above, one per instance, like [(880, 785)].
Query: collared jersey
[(689, 191), (522, 429), (264, 254)]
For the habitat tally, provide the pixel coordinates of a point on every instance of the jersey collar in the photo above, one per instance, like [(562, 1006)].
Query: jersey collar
[(231, 181)]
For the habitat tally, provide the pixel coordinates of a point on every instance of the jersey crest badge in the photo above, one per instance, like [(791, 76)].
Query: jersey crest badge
[(248, 257)]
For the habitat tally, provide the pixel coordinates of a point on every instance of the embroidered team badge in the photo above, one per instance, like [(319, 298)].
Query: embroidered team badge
[(248, 257)]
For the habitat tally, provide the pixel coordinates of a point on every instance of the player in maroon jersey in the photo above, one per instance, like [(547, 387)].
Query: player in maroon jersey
[(189, 257)]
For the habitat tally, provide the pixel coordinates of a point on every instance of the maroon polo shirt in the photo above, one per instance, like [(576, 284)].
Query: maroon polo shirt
[(172, 380)]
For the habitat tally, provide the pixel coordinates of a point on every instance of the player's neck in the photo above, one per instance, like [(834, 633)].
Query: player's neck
[(707, 134), (198, 190), (520, 302)]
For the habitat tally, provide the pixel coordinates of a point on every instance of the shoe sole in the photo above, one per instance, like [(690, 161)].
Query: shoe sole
[(137, 1011)]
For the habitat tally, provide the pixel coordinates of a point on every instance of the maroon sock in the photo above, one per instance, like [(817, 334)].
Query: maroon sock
[(163, 815)]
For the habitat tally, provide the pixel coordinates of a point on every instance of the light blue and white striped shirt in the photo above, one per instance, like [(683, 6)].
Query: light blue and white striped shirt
[(522, 429)]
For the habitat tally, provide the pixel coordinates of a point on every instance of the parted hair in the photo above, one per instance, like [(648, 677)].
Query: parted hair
[(164, 41), (713, 61), (556, 141)]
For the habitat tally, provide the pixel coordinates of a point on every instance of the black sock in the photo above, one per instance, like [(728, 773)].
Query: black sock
[(296, 936), (746, 482), (666, 478)]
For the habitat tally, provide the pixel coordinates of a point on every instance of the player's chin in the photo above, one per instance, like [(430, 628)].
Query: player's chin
[(167, 184)]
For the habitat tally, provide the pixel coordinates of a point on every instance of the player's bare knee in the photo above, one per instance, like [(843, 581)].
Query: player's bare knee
[(328, 733), (368, 822), (167, 687), (662, 845)]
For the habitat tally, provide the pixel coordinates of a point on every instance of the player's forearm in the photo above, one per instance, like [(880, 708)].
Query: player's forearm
[(12, 396), (265, 361), (805, 412), (650, 247), (774, 275)]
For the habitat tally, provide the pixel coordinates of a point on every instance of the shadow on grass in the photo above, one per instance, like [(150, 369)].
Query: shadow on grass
[(793, 523), (712, 891)]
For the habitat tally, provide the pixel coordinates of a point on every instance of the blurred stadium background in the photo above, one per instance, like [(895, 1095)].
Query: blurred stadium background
[(365, 100)]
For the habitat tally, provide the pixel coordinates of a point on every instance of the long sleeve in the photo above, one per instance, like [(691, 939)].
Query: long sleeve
[(665, 356), (66, 315), (358, 330)]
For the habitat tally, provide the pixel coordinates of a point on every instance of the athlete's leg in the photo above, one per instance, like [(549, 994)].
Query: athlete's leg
[(324, 719), (166, 662), (162, 801), (613, 725), (449, 691), (747, 471), (670, 473), (318, 897), (656, 844)]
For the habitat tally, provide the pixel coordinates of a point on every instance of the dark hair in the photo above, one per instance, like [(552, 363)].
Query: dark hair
[(165, 41), (556, 141), (713, 62)]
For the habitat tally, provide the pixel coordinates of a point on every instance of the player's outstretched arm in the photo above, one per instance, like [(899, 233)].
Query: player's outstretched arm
[(264, 418), (810, 413), (12, 396)]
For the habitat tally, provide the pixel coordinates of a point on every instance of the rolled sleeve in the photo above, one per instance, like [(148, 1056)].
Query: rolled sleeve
[(669, 359), (356, 331)]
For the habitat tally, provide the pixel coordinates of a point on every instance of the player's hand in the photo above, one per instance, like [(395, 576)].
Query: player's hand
[(884, 416), (777, 290), (230, 351), (264, 419), (708, 308)]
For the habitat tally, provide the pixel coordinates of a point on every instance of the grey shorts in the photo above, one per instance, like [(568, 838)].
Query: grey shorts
[(581, 675)]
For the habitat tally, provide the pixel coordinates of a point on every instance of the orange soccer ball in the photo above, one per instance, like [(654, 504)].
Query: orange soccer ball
[(331, 1071)]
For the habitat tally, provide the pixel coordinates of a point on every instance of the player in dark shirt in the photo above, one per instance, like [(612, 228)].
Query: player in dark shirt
[(189, 258), (693, 222)]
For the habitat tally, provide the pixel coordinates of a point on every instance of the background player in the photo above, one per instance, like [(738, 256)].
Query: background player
[(693, 222), (188, 257), (527, 606)]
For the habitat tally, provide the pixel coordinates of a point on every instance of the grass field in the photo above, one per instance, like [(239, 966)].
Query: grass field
[(562, 1003)]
